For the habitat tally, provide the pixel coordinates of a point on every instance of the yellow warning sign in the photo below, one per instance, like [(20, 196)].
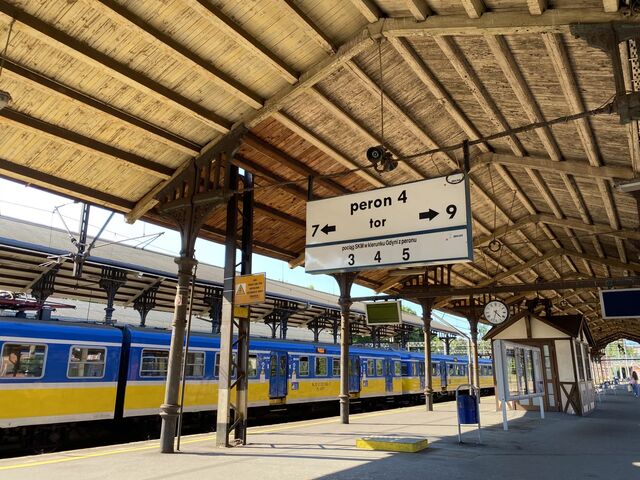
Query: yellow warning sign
[(240, 311), (250, 289)]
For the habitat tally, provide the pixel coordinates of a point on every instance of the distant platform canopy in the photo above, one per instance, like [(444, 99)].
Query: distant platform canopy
[(111, 99), (24, 263)]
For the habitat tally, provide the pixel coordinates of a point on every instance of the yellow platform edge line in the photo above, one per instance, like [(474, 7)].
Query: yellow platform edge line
[(408, 445)]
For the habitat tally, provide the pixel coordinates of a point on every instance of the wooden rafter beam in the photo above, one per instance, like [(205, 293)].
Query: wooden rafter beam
[(303, 21), (580, 169), (419, 9), (611, 5), (568, 83), (76, 140), (268, 174), (54, 87), (537, 7), (327, 149), (226, 26), (288, 161), (576, 224), (368, 9), (167, 44), (35, 27), (474, 8), (55, 184), (435, 291)]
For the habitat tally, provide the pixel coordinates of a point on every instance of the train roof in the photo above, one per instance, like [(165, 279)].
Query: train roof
[(57, 330)]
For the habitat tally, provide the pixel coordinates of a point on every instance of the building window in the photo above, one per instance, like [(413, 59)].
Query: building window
[(22, 360), (86, 362), (580, 361), (335, 366), (304, 367), (321, 367), (587, 364), (195, 364), (154, 363)]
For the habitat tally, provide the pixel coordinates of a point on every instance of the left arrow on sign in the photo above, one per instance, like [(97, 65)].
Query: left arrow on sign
[(328, 228), (430, 214)]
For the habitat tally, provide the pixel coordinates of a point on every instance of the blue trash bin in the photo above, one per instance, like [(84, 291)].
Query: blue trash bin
[(467, 409)]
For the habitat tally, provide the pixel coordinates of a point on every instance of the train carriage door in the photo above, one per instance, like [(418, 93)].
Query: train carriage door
[(354, 374), (278, 375), (420, 372), (388, 375), (443, 374)]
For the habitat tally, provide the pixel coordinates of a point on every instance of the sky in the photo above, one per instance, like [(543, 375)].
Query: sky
[(37, 206)]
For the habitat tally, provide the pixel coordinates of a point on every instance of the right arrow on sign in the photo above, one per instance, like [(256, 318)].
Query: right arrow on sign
[(430, 214)]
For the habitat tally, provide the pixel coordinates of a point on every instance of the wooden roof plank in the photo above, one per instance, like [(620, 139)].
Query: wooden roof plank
[(304, 22), (49, 34), (166, 43), (419, 9), (537, 7), (242, 38), (59, 134), (24, 74), (474, 8), (611, 5), (368, 9)]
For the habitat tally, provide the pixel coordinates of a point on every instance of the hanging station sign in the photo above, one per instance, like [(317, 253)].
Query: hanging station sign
[(421, 223)]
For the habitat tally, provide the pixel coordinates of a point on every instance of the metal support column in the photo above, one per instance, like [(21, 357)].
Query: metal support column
[(345, 281), (145, 303), (42, 289), (81, 243), (242, 385), (475, 369), (187, 200), (224, 417), (213, 298), (111, 279), (426, 329)]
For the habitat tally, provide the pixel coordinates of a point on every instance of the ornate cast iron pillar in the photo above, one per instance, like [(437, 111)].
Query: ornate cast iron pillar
[(43, 288), (111, 279), (427, 304), (187, 200), (345, 281), (145, 303)]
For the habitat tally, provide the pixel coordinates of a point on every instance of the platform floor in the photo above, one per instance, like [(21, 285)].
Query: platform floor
[(604, 445)]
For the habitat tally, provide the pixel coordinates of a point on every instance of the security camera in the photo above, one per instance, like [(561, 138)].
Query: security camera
[(381, 159), (5, 99)]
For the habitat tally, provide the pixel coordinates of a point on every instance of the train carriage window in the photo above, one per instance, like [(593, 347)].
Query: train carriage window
[(216, 367), (405, 370), (22, 360), (253, 366), (321, 366), (195, 364), (379, 370), (154, 363), (304, 367), (397, 369), (86, 362), (335, 366), (420, 369), (371, 367), (435, 369)]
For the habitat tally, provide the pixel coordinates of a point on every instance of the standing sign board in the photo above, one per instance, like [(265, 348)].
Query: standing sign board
[(421, 223), (250, 289)]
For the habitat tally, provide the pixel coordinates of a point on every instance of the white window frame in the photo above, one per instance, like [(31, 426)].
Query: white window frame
[(44, 362), (141, 356), (104, 370)]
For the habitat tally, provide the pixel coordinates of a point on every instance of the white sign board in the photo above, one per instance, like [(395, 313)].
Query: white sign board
[(420, 223)]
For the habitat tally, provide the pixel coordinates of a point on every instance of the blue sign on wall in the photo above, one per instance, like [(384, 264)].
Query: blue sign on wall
[(621, 303)]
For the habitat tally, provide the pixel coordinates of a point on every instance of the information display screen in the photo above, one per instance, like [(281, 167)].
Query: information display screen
[(383, 313)]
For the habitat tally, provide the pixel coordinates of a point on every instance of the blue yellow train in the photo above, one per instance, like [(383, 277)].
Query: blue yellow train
[(60, 374)]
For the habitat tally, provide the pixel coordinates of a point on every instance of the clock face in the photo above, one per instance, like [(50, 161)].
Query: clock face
[(496, 312)]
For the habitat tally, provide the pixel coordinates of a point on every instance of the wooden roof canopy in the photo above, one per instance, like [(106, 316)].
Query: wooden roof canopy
[(111, 97)]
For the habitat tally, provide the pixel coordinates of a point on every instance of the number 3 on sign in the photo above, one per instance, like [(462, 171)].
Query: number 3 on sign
[(352, 259)]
